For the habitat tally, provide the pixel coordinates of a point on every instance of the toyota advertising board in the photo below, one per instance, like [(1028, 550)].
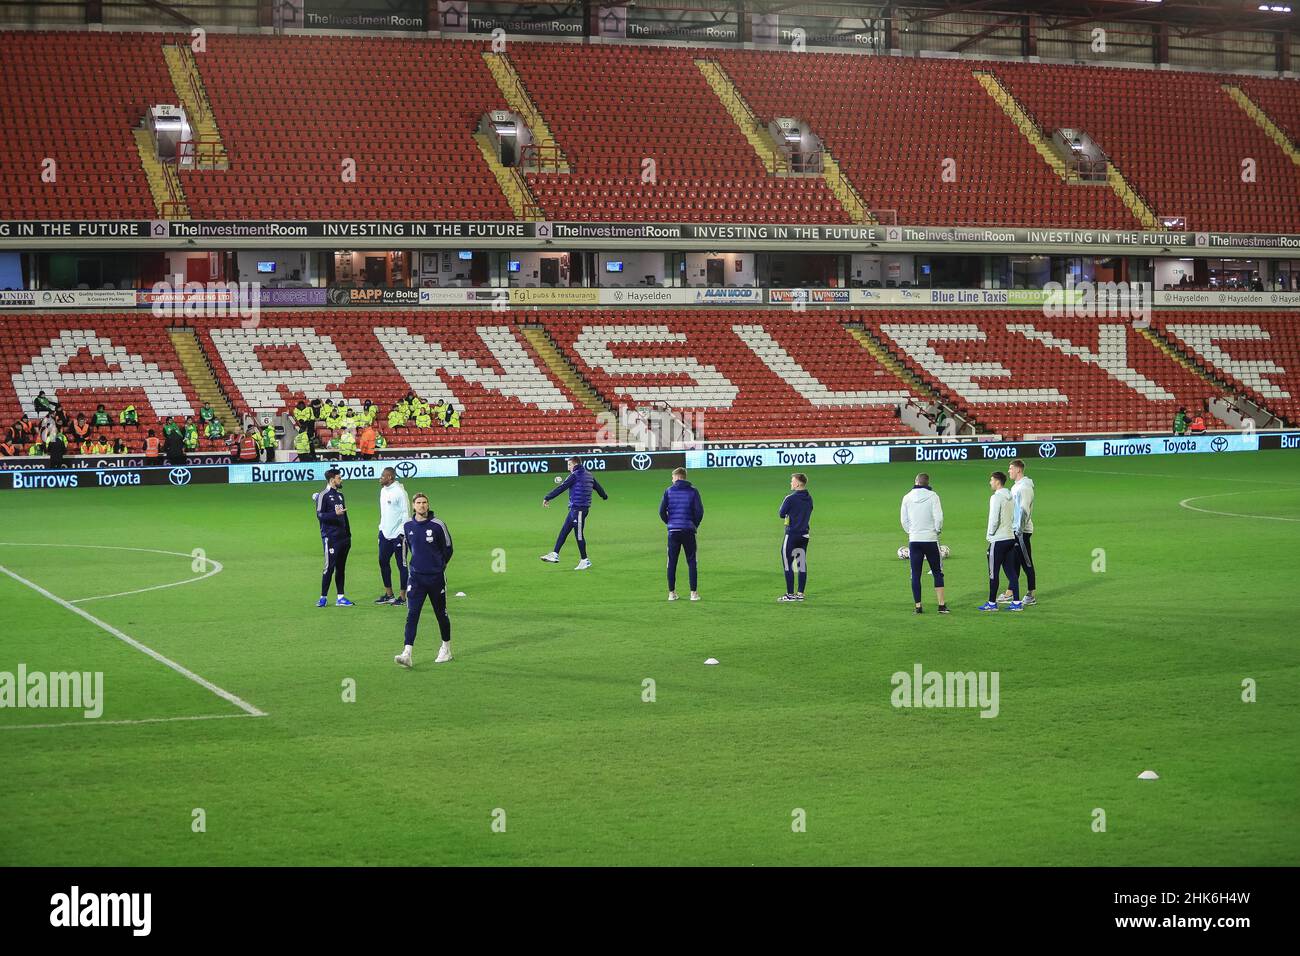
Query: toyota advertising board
[(180, 477), (33, 475), (775, 456), (279, 473), (555, 464), (987, 451), (1169, 445)]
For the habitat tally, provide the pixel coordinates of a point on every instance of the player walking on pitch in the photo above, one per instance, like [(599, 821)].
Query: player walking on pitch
[(336, 536), (922, 519), (1022, 525), (682, 510), (796, 509), (429, 543), (394, 511), (579, 485), (1002, 544)]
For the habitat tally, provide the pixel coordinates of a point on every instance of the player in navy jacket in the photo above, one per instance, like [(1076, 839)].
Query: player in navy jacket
[(428, 542), (796, 509), (335, 534), (579, 485), (682, 510)]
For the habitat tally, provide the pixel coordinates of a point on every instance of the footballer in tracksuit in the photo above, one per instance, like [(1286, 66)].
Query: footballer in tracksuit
[(428, 546), (921, 515), (335, 534), (682, 511), (1003, 553), (394, 512), (796, 509), (579, 485), (1022, 525)]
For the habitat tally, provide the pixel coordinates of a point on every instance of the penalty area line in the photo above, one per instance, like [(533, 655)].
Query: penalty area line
[(118, 723), (142, 648)]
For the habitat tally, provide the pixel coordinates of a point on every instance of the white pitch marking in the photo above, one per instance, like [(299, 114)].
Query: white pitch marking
[(217, 566), (1228, 514), (144, 649), (114, 723)]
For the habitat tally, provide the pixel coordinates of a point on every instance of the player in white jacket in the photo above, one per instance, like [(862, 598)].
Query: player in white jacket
[(394, 512), (922, 518), (1002, 543), (1022, 524)]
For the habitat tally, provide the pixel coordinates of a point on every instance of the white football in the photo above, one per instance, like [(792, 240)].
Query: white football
[(944, 551), (903, 554), (558, 479)]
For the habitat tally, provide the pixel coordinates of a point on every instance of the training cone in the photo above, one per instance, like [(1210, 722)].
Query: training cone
[(711, 660), (1148, 775)]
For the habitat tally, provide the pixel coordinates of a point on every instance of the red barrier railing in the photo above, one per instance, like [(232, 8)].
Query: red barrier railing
[(544, 159)]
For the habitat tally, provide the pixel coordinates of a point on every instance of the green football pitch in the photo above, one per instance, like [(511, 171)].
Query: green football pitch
[(1164, 584)]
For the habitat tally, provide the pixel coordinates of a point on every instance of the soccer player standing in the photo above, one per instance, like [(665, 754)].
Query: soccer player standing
[(682, 510), (429, 544), (394, 510), (336, 536), (1002, 543), (579, 485), (922, 519), (796, 509), (1022, 525)]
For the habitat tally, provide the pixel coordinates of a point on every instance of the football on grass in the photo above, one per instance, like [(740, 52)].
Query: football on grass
[(903, 554)]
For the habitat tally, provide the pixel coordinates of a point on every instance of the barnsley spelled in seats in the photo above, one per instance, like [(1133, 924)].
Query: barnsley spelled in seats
[(1020, 373), (750, 374), (81, 361), (476, 360), (1257, 352)]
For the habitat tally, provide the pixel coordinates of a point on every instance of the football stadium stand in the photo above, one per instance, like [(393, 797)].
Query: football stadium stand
[(892, 123), (738, 374), (748, 373), (1180, 139), (292, 110), (1019, 373), (81, 361), (79, 115), (1255, 353), (704, 169), (478, 362)]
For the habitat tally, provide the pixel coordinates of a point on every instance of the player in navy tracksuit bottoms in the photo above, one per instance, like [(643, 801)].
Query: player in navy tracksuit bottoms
[(579, 485), (336, 535), (796, 509), (682, 511), (428, 543)]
